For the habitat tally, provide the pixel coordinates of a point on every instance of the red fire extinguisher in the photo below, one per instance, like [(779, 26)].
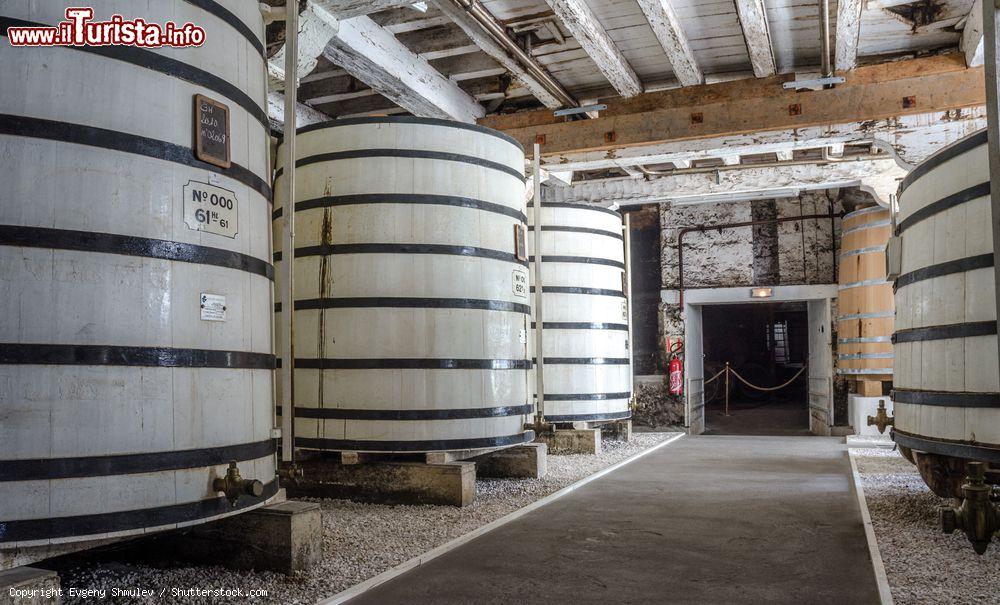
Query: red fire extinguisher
[(675, 369)]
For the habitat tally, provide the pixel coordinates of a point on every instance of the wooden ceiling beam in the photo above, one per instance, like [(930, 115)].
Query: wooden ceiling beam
[(972, 36), (879, 177), (356, 105), (468, 67), (337, 85), (592, 37), (304, 115), (346, 9), (371, 54), (872, 92), (667, 27), (436, 42), (848, 30), (913, 137), (753, 19), (501, 56)]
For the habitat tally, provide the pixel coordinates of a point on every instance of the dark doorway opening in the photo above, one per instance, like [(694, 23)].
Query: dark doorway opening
[(767, 344)]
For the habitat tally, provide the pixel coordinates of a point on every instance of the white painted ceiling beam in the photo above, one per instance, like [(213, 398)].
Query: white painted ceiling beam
[(304, 115), (323, 75), (417, 24), (377, 58), (753, 19), (631, 170), (848, 30), (453, 51), (345, 9), (972, 36), (590, 34), (374, 56), (343, 96), (316, 27), (667, 27), (915, 137), (880, 177)]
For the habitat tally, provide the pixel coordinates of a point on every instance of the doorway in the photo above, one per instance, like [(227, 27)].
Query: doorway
[(818, 389), (767, 345)]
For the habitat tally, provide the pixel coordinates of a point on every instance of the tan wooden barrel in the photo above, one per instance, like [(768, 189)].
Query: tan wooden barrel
[(865, 305)]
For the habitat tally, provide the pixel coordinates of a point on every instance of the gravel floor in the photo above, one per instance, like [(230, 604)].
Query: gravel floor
[(924, 565), (359, 540)]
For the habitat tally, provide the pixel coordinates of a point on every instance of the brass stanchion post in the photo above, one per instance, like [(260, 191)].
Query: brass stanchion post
[(727, 389)]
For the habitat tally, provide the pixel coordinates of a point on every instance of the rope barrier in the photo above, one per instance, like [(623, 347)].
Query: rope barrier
[(729, 370), (717, 375), (766, 389)]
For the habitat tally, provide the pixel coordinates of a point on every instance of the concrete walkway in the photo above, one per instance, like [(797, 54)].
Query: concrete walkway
[(710, 519)]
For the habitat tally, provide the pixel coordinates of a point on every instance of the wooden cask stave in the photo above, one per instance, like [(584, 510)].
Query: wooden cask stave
[(865, 303)]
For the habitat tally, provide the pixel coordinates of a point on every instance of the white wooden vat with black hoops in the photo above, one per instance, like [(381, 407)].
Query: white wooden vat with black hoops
[(119, 401), (946, 391), (587, 369), (412, 306)]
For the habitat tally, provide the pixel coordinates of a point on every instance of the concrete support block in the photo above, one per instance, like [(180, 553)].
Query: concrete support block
[(869, 388), (859, 408), (452, 483), (520, 462), (286, 537), (572, 441), (28, 586), (621, 430)]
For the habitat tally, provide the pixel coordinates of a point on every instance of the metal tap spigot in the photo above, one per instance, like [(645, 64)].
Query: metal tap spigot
[(290, 472), (976, 516), (881, 419), (540, 426), (234, 485)]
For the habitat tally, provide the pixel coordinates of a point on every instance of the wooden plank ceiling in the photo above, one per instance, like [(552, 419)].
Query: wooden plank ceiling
[(723, 41), (626, 53)]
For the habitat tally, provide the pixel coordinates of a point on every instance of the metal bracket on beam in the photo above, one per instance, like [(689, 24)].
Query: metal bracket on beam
[(585, 109), (813, 83)]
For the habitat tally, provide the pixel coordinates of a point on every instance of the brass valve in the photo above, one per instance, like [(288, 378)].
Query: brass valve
[(976, 516), (881, 419), (289, 472), (234, 485), (540, 426)]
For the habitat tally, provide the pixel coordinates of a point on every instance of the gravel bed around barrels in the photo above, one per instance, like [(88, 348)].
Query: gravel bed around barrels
[(924, 566), (360, 541)]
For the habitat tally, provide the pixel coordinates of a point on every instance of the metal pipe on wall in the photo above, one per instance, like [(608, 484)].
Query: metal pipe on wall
[(686, 230), (991, 48), (536, 165), (498, 32), (288, 235), (627, 236), (824, 20)]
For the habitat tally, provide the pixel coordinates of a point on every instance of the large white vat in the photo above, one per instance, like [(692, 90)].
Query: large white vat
[(586, 357), (947, 403), (411, 303), (123, 393)]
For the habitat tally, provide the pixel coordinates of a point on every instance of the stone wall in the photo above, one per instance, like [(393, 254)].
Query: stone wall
[(645, 231), (771, 254), (788, 253)]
